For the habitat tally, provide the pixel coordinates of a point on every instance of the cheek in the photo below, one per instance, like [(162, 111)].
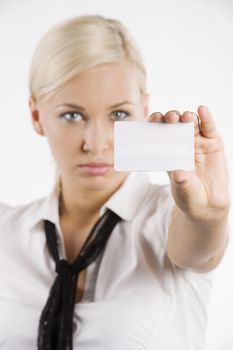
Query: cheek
[(110, 137), (63, 142)]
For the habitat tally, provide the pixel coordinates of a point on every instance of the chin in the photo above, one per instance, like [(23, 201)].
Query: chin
[(102, 182)]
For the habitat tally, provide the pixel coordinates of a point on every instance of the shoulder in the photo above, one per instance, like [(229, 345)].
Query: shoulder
[(160, 191), (159, 199), (16, 215), (155, 214), (152, 192), (4, 207)]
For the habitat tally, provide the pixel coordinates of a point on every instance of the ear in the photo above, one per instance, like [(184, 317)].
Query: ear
[(145, 103), (35, 116)]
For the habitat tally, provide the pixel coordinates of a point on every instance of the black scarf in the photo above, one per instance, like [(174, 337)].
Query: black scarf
[(56, 320)]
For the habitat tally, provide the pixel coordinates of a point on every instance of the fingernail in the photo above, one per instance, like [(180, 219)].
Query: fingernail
[(173, 115)]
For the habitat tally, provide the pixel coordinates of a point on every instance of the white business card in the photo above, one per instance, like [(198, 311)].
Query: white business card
[(151, 146)]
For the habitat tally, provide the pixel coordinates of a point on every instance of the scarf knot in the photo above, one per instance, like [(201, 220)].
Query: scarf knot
[(64, 265)]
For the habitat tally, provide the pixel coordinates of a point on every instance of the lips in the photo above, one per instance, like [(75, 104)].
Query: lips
[(95, 168), (95, 165)]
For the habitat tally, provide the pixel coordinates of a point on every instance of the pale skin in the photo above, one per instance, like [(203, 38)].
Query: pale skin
[(198, 229)]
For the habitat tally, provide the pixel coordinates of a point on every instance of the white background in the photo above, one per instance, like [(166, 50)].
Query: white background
[(188, 50)]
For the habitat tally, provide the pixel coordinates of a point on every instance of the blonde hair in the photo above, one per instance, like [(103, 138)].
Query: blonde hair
[(74, 45)]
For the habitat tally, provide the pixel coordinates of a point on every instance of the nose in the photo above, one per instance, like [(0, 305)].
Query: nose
[(96, 137)]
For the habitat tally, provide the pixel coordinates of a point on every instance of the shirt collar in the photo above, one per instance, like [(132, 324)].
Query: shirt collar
[(46, 208), (125, 202)]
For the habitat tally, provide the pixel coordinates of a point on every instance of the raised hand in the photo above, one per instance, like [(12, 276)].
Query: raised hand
[(204, 192)]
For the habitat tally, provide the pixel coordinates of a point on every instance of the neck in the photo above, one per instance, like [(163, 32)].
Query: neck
[(81, 206)]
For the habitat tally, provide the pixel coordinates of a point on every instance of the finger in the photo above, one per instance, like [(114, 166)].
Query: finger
[(156, 117), (178, 176), (172, 116), (208, 127), (188, 117)]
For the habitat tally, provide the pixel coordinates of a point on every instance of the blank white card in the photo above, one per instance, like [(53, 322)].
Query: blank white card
[(151, 146)]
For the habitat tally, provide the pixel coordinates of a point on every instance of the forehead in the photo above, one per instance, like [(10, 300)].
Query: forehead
[(110, 83)]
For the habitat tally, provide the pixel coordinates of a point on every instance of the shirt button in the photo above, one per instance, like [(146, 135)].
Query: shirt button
[(74, 327)]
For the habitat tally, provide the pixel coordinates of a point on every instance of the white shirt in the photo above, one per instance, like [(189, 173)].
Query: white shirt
[(134, 298)]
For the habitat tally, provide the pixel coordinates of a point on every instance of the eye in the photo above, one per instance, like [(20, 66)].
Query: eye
[(119, 115), (71, 116)]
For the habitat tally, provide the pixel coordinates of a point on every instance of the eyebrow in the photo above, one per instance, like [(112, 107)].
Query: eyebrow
[(71, 105)]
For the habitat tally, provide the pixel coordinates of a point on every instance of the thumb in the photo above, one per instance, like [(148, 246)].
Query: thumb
[(178, 177)]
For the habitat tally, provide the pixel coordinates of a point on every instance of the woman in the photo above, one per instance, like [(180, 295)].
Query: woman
[(109, 260)]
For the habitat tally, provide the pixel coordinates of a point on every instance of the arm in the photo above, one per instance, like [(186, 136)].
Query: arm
[(195, 244), (198, 230)]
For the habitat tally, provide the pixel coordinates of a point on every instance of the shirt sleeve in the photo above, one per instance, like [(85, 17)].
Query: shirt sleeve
[(186, 293)]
